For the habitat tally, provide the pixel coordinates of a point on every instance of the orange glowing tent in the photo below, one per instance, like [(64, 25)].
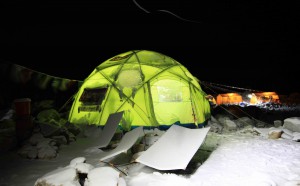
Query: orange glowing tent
[(264, 97), (229, 98)]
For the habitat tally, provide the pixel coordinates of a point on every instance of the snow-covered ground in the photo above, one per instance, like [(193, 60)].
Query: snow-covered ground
[(236, 156)]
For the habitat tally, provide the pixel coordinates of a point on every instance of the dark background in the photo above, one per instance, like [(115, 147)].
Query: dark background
[(233, 43)]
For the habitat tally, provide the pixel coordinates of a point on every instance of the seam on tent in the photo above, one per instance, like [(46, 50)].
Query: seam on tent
[(195, 117), (139, 62), (151, 105), (121, 66)]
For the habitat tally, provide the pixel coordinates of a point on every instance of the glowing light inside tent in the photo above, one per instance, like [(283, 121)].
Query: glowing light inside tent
[(129, 78), (168, 94)]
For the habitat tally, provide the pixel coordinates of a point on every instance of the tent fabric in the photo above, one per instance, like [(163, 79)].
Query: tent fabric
[(152, 89)]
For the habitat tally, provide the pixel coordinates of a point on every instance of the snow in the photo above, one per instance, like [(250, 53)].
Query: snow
[(251, 161), (245, 157)]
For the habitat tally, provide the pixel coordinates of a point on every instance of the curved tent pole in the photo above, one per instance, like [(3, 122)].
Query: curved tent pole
[(140, 68)]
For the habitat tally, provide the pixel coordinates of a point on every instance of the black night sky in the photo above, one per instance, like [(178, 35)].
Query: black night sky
[(236, 43)]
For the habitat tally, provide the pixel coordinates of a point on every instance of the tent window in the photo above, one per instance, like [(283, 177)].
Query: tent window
[(167, 94), (93, 96)]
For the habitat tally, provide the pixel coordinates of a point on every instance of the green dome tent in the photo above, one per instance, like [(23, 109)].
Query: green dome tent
[(152, 89)]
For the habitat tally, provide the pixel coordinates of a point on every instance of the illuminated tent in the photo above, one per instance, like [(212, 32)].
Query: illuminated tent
[(152, 89), (264, 97), (229, 98)]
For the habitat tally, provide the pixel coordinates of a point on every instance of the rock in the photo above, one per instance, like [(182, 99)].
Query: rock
[(45, 142), (47, 152), (23, 151), (137, 148), (244, 121), (286, 136), (72, 128), (35, 138), (213, 119), (60, 140), (215, 127), (275, 134), (287, 131), (47, 115), (296, 133), (296, 136), (260, 124), (8, 115), (211, 142), (222, 119), (230, 125), (49, 130), (7, 123), (70, 136), (292, 124), (277, 123), (32, 153), (248, 130)]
